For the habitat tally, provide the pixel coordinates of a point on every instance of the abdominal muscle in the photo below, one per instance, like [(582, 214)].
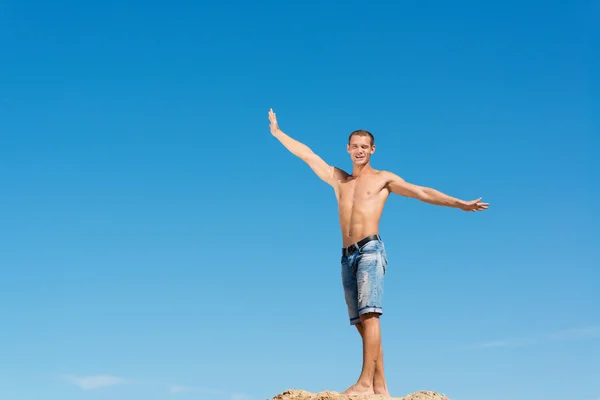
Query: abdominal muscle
[(360, 204), (359, 219)]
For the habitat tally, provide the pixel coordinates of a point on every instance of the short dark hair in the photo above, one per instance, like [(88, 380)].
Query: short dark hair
[(362, 132)]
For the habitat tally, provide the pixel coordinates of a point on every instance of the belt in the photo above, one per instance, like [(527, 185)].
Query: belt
[(354, 247)]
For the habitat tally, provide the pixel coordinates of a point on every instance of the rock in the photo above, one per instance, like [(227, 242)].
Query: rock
[(329, 395)]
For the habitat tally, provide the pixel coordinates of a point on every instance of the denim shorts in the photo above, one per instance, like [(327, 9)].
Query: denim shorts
[(363, 272)]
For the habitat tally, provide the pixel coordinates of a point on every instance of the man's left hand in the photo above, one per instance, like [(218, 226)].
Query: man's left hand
[(474, 205)]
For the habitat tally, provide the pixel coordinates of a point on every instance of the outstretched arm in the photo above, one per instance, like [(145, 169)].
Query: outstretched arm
[(323, 170), (428, 195)]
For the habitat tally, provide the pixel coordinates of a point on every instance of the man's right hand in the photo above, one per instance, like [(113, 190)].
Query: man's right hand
[(321, 168), (273, 125)]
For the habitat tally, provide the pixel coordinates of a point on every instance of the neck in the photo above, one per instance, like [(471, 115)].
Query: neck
[(358, 170)]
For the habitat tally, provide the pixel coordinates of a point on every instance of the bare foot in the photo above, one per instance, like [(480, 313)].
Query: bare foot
[(358, 389), (382, 391)]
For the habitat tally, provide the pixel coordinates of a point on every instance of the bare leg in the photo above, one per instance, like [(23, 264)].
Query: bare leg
[(371, 338), (379, 385)]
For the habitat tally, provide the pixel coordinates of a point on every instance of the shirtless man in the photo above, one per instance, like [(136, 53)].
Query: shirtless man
[(361, 196)]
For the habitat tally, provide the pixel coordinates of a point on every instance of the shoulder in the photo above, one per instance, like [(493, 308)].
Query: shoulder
[(387, 175), (339, 174), (390, 178)]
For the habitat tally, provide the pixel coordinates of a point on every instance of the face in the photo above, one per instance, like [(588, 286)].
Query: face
[(360, 149)]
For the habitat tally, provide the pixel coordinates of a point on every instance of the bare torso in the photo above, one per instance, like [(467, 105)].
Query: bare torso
[(360, 205)]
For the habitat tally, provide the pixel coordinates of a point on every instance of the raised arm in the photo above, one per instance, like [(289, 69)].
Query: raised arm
[(323, 170), (399, 186)]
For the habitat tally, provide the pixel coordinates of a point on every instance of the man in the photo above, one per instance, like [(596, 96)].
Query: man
[(361, 196)]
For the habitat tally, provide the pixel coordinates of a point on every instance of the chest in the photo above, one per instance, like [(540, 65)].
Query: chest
[(359, 190)]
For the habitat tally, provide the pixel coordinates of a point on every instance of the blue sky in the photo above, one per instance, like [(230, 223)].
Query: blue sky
[(158, 243)]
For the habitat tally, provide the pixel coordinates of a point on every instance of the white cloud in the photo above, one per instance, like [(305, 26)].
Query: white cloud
[(592, 332), (93, 382), (178, 389)]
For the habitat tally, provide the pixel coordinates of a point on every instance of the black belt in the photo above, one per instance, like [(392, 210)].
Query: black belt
[(353, 247)]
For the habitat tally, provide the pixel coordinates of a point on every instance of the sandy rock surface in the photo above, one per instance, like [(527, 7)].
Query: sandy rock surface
[(329, 395)]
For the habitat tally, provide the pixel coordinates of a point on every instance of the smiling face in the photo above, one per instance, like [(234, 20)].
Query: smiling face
[(360, 147)]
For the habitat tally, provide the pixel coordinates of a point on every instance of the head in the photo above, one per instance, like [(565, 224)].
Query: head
[(361, 144)]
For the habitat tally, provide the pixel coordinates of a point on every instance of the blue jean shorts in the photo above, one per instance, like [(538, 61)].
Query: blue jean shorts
[(363, 271)]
